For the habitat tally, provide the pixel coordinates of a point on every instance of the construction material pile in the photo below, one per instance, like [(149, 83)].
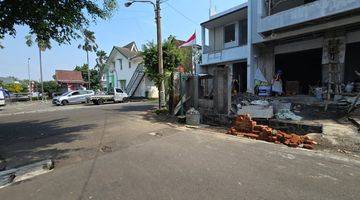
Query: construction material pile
[(244, 126)]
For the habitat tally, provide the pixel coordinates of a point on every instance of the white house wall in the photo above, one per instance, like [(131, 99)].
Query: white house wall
[(126, 73)]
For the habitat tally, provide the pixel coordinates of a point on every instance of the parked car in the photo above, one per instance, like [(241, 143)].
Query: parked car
[(2, 98), (116, 95), (73, 97)]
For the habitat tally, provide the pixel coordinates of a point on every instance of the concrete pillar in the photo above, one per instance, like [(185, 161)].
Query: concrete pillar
[(250, 57), (203, 38), (340, 47)]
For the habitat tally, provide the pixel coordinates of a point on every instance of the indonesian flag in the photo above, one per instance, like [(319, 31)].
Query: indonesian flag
[(190, 42)]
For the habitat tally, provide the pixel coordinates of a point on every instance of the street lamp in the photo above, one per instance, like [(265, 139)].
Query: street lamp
[(157, 10)]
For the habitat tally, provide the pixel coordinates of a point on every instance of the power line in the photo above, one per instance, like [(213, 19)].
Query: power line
[(179, 12)]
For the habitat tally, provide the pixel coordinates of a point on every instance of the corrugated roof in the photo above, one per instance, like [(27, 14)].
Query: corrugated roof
[(67, 76)]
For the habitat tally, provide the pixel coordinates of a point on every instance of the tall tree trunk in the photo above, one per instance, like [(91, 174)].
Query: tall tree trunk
[(41, 76), (87, 60)]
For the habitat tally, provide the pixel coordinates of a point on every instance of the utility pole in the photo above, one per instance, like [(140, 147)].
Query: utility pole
[(41, 76), (160, 55), (157, 9)]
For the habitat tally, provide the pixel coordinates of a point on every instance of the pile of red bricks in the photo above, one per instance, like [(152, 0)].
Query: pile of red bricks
[(244, 126)]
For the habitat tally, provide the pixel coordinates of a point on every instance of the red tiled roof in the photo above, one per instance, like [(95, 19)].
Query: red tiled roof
[(65, 76)]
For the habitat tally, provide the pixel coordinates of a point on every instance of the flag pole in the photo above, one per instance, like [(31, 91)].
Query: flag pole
[(193, 55)]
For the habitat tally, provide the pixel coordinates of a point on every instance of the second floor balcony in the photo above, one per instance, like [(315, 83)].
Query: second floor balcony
[(225, 35), (285, 14)]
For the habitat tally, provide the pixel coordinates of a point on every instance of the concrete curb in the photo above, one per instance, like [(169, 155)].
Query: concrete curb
[(12, 176)]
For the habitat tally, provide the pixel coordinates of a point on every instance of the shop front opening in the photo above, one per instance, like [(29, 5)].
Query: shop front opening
[(300, 70), (239, 82), (352, 62)]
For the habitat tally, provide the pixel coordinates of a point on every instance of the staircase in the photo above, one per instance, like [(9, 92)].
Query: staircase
[(135, 80)]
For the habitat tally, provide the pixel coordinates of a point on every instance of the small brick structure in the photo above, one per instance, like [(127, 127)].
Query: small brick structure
[(244, 126)]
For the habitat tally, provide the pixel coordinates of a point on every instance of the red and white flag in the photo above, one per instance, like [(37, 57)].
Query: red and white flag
[(190, 42)]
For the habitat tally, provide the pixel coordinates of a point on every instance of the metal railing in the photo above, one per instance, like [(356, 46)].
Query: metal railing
[(135, 80)]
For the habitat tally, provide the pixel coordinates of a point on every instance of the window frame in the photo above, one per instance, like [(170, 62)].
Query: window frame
[(234, 36)]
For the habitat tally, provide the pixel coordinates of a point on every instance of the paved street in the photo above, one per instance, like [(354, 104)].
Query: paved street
[(120, 151)]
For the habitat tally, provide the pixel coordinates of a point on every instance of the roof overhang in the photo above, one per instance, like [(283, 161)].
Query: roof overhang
[(233, 14)]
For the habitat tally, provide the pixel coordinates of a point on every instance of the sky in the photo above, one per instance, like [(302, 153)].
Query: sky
[(136, 23)]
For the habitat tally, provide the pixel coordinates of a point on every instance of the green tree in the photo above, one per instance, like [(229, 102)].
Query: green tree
[(172, 55), (42, 46), (89, 45), (94, 81), (13, 87), (100, 66), (51, 87), (60, 20)]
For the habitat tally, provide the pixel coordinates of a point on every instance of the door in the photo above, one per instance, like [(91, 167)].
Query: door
[(75, 97), (83, 95)]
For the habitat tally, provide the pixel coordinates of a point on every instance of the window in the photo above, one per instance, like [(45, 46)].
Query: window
[(243, 30), (121, 64), (129, 65), (119, 91), (75, 93), (229, 33)]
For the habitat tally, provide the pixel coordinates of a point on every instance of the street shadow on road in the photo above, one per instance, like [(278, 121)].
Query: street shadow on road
[(30, 141)]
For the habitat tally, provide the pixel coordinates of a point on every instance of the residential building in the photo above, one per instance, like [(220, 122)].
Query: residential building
[(302, 38), (125, 70), (69, 80)]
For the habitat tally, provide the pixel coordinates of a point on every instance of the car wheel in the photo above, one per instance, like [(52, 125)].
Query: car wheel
[(64, 103), (100, 101)]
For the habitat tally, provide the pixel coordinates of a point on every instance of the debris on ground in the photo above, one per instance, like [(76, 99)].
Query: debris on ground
[(246, 127), (2, 164), (105, 149), (260, 103), (287, 114)]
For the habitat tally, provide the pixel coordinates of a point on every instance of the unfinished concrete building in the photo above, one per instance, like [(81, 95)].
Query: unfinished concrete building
[(313, 42)]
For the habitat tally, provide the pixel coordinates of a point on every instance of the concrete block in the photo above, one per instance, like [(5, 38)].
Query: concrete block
[(257, 111)]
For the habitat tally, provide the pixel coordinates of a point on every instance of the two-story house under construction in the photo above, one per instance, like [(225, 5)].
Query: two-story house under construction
[(313, 42)]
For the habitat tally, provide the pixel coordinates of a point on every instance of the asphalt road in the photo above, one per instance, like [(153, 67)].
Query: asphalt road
[(121, 152)]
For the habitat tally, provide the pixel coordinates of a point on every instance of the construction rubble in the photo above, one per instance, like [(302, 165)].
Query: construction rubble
[(244, 126)]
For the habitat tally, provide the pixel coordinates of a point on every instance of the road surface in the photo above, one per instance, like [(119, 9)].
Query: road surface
[(121, 152)]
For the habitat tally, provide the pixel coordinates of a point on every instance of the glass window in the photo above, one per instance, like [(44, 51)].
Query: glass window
[(121, 64), (129, 64), (119, 91), (75, 93), (229, 33)]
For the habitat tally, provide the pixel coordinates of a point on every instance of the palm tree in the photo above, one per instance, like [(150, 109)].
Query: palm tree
[(88, 46), (100, 60), (42, 46)]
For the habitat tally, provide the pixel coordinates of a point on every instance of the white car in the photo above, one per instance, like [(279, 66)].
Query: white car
[(2, 98), (73, 97)]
